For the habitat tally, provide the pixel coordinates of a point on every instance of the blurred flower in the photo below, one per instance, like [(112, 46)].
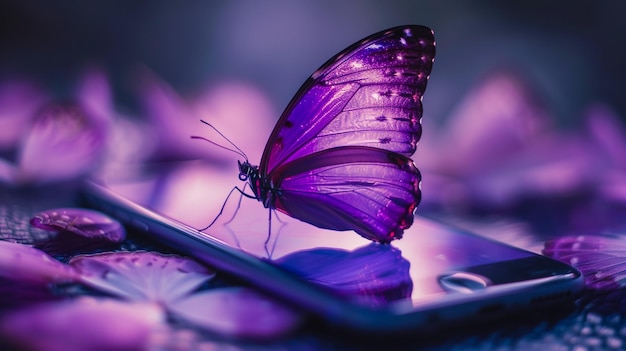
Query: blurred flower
[(152, 284), (499, 117), (26, 264), (172, 282), (486, 153), (78, 229), (64, 140), (237, 311), (142, 275), (230, 107), (83, 324), (601, 258), (63, 143), (28, 275), (500, 148)]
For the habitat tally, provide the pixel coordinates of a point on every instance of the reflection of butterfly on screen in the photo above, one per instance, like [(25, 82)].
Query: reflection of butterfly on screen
[(338, 158)]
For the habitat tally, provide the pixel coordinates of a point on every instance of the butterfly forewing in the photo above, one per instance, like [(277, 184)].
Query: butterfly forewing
[(368, 95)]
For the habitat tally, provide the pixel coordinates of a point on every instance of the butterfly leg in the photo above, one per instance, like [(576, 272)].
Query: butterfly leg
[(278, 218), (242, 194), (269, 235), (269, 251)]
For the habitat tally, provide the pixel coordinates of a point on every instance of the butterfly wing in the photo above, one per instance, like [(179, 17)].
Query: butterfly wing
[(369, 190), (368, 95)]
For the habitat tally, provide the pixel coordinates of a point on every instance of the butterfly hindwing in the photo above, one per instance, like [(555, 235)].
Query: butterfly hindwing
[(368, 95), (371, 191)]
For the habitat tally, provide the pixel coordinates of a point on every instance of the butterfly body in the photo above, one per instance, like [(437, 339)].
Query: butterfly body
[(339, 156), (261, 187)]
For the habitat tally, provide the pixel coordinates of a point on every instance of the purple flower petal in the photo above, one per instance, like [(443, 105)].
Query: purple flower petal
[(77, 228), (601, 258), (237, 312), (142, 275), (26, 274), (85, 324), (23, 263), (375, 273), (64, 143)]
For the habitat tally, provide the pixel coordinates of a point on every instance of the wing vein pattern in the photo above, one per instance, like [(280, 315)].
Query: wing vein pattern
[(369, 92)]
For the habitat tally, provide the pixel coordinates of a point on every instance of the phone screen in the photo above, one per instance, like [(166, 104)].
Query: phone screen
[(408, 270)]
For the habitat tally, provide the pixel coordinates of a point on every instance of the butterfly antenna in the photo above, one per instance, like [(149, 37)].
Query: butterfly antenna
[(220, 146), (236, 149)]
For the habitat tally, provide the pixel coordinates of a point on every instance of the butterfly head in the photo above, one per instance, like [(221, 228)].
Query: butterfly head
[(247, 171)]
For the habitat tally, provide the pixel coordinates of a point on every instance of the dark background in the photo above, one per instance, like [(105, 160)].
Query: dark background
[(572, 53)]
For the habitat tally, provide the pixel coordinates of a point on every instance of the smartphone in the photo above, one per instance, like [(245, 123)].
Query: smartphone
[(433, 277)]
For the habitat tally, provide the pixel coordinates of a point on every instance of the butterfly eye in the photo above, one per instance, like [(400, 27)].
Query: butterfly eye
[(244, 170)]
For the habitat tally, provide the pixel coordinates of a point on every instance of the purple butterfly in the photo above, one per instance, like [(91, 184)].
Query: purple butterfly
[(338, 158)]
